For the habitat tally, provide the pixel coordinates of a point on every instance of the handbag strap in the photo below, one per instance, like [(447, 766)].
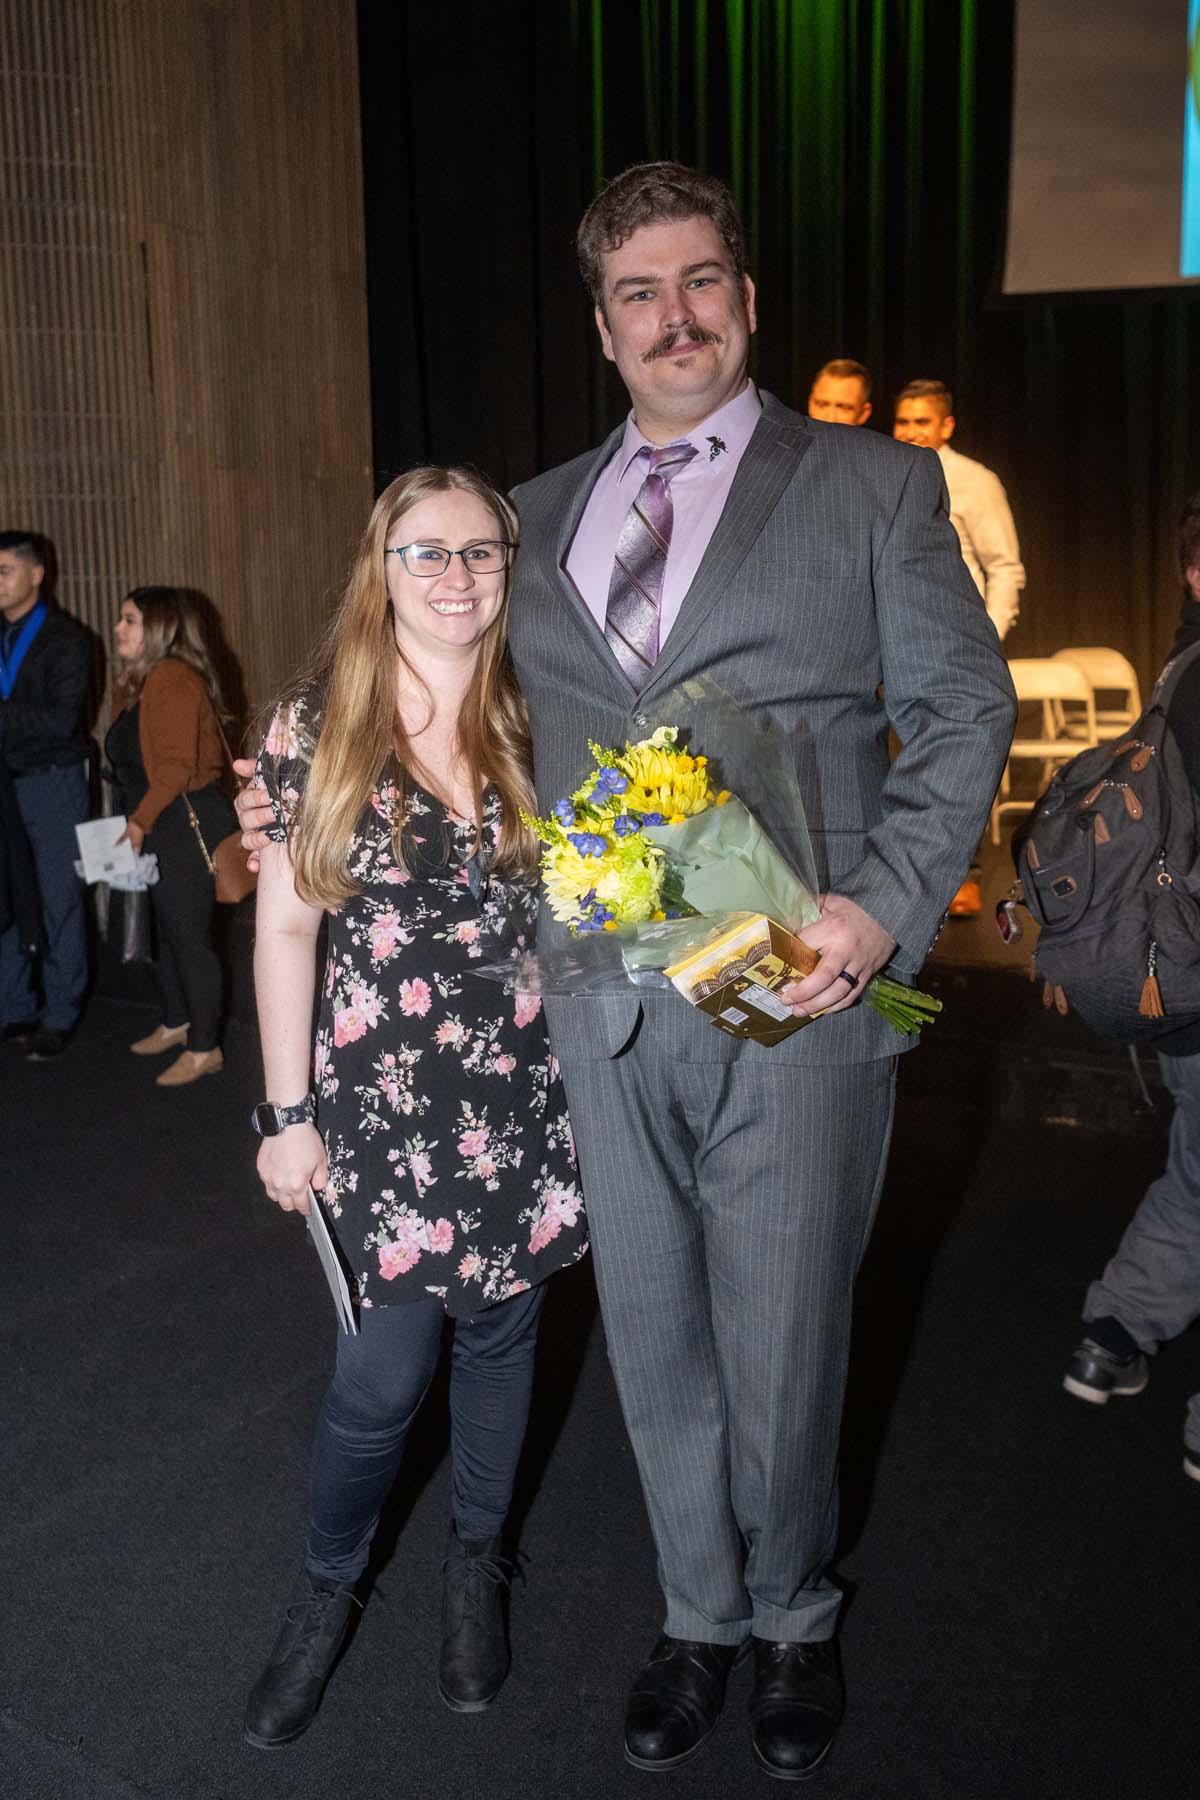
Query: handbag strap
[(224, 739), (191, 810), (191, 813)]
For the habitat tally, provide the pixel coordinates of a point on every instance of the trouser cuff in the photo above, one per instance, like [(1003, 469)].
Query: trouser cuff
[(811, 1622), (696, 1627)]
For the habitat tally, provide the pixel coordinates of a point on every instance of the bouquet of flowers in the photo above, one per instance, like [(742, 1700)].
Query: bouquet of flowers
[(649, 849)]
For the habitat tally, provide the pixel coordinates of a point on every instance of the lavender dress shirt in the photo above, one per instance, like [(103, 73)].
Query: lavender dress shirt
[(698, 493)]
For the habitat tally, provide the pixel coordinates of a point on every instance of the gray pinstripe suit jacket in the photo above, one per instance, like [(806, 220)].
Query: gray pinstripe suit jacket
[(833, 568)]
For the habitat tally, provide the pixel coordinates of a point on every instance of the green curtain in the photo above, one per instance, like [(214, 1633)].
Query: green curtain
[(867, 144)]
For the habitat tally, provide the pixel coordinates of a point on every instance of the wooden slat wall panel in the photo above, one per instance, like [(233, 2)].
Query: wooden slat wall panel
[(183, 360)]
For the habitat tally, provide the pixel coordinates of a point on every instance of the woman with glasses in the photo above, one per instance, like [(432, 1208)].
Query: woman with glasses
[(430, 1115)]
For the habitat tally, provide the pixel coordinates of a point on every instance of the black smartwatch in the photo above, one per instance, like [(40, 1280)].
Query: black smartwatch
[(269, 1120)]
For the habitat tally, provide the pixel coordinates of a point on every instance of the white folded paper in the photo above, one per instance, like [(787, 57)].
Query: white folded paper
[(103, 857), (327, 1251)]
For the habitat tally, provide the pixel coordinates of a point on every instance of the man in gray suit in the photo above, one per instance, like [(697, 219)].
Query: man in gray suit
[(731, 1188)]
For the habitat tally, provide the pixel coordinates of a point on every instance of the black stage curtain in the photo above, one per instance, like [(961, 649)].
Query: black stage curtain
[(867, 142)]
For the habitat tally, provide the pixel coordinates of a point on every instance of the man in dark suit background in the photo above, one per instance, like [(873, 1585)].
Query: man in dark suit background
[(44, 677), (795, 567)]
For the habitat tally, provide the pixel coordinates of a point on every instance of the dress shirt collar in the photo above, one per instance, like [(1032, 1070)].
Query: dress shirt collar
[(723, 435)]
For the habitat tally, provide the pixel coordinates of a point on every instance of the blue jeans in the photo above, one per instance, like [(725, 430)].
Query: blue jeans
[(52, 802), (381, 1378)]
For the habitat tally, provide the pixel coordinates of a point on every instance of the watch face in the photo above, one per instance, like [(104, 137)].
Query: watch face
[(265, 1119)]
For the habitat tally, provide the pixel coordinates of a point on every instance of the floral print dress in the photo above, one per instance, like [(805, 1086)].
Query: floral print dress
[(451, 1163)]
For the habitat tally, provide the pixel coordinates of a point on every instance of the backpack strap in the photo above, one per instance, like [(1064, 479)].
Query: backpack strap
[(1168, 681)]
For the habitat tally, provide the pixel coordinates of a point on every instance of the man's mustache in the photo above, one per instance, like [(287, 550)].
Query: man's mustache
[(695, 334)]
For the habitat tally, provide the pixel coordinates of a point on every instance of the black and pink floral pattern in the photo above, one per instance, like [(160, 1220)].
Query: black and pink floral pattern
[(451, 1163)]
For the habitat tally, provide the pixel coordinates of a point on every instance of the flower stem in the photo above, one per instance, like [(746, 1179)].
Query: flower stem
[(905, 1008)]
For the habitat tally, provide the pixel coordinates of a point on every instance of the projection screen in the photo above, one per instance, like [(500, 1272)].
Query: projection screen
[(1104, 186)]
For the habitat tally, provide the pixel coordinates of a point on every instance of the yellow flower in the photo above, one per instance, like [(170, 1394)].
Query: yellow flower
[(567, 877), (663, 780), (686, 793), (647, 767)]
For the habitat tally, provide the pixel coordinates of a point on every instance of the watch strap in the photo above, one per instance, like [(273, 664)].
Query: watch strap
[(269, 1120)]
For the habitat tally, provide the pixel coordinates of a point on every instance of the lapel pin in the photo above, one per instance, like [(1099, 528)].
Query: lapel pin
[(718, 445)]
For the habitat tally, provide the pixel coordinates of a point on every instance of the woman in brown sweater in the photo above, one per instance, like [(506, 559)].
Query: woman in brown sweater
[(165, 744)]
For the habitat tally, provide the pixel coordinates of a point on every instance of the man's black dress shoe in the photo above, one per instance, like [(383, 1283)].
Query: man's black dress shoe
[(19, 1032), (676, 1701), (796, 1706)]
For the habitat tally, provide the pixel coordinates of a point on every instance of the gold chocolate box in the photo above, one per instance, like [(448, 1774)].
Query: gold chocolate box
[(734, 979)]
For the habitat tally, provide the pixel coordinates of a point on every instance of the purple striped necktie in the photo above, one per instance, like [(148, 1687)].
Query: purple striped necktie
[(631, 620)]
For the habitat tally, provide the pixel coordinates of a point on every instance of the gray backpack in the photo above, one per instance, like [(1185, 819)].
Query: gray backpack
[(1109, 866)]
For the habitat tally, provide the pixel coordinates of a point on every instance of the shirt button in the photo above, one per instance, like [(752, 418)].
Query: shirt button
[(641, 721)]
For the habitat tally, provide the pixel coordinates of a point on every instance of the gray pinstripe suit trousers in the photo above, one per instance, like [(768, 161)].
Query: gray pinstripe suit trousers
[(726, 1294)]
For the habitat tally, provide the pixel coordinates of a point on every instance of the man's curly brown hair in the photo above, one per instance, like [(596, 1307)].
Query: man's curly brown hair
[(647, 194)]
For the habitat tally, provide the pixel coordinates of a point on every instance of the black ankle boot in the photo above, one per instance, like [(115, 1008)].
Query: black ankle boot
[(284, 1700), (475, 1657)]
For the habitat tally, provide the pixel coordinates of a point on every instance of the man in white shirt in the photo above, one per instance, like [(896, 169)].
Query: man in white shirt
[(980, 513), (979, 507), (841, 393)]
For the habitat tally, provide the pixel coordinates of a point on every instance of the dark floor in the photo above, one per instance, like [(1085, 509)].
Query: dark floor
[(1022, 1568)]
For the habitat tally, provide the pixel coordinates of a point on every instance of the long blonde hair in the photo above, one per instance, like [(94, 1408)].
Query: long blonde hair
[(354, 679), (172, 627)]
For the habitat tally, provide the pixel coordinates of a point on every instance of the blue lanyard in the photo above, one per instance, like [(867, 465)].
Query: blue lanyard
[(10, 665)]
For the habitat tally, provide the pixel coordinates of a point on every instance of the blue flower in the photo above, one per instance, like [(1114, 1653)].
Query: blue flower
[(653, 819), (609, 781), (564, 812), (588, 843), (625, 824)]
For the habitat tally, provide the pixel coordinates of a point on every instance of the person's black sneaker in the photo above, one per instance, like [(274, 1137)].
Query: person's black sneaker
[(45, 1045), (20, 1032), (284, 1700), (1096, 1374), (475, 1656)]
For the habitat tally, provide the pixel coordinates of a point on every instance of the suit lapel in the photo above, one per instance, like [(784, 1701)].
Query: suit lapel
[(578, 501), (571, 524), (771, 458), (554, 556)]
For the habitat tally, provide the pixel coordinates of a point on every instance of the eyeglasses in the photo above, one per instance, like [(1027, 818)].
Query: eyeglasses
[(427, 560)]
